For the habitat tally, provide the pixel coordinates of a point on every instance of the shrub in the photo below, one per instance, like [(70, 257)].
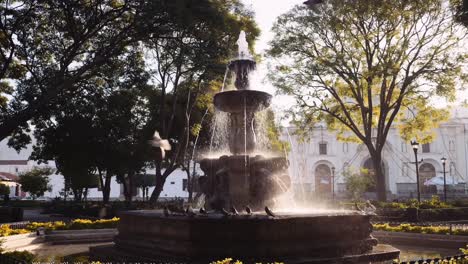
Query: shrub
[(5, 230), (420, 229), (25, 256), (57, 225)]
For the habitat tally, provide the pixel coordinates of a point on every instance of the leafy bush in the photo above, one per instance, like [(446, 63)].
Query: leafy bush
[(57, 225), (5, 230), (97, 224), (420, 229), (25, 256)]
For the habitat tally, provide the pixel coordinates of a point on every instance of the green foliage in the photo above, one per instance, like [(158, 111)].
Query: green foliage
[(362, 66), (36, 181), (433, 203), (75, 224), (4, 190), (357, 183), (444, 230), (25, 256), (5, 230)]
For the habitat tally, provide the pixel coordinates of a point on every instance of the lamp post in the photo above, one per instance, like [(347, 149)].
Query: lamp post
[(415, 146), (333, 183), (443, 159)]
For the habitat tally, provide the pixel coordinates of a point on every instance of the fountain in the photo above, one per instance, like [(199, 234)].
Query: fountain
[(244, 180)]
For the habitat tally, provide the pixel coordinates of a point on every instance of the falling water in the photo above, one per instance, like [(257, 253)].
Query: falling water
[(219, 132), (294, 158), (224, 80), (261, 131)]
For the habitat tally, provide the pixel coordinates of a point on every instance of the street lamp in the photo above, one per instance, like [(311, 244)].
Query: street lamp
[(443, 159), (333, 183), (415, 146)]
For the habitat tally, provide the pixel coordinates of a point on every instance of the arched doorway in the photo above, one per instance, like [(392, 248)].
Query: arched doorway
[(427, 172), (323, 180), (370, 172)]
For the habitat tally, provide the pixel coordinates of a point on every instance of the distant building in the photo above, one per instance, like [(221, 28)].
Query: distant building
[(312, 162), (13, 163), (11, 181)]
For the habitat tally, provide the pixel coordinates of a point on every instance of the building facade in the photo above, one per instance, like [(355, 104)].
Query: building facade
[(318, 165), (13, 163)]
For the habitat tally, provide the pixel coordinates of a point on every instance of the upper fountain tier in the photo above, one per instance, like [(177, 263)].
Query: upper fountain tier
[(243, 99)]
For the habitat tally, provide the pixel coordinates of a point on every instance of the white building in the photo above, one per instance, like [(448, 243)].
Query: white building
[(14, 163), (314, 162)]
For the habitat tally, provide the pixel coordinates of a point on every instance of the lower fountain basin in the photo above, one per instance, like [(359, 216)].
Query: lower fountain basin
[(289, 238), (234, 101)]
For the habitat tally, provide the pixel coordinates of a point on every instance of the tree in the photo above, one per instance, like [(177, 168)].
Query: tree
[(185, 67), (48, 47), (364, 67), (357, 183), (4, 191), (36, 181)]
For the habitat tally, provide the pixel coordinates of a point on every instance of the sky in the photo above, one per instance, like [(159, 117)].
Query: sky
[(266, 12)]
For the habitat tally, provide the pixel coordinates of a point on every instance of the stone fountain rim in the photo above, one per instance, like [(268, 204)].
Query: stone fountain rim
[(244, 217)]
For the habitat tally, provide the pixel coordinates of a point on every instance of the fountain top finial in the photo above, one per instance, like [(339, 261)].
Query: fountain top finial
[(243, 46)]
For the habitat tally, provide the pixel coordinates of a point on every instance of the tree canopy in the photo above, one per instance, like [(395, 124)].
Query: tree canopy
[(366, 66), (146, 66), (36, 181)]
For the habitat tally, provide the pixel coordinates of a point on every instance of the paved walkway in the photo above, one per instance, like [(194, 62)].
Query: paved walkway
[(47, 250)]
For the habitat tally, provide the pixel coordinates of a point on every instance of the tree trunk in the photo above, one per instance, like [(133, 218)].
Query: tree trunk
[(380, 183), (106, 188), (189, 185), (159, 185)]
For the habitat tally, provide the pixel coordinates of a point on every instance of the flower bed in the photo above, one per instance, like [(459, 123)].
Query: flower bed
[(420, 229), (76, 224)]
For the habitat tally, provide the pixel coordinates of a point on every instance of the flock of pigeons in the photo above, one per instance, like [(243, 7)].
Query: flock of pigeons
[(202, 211), (367, 209)]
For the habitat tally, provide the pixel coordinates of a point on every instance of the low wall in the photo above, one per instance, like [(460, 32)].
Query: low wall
[(421, 240)]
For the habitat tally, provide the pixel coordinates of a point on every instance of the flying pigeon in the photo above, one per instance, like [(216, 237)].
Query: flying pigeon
[(269, 212), (158, 142), (248, 210), (234, 210)]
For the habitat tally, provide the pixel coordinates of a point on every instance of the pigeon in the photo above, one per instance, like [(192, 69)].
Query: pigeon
[(369, 208), (189, 211), (224, 212), (158, 142), (234, 210), (357, 208), (203, 210), (167, 213), (248, 210), (269, 212)]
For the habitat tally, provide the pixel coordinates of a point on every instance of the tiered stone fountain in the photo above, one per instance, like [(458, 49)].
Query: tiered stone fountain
[(240, 179), (237, 181)]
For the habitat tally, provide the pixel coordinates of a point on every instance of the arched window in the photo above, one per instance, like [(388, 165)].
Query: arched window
[(323, 180), (427, 172)]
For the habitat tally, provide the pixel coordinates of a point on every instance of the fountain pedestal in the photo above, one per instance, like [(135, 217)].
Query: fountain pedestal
[(329, 237)]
